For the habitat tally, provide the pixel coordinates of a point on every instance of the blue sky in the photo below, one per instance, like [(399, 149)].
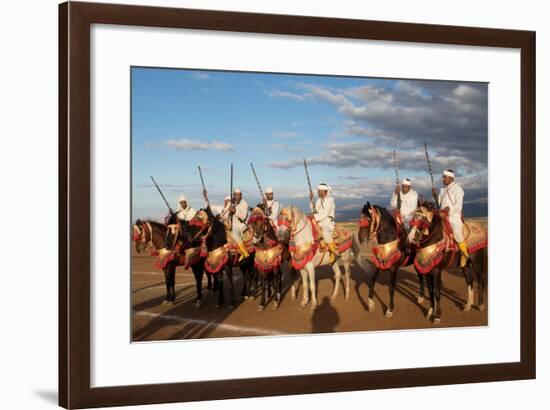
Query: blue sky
[(346, 127)]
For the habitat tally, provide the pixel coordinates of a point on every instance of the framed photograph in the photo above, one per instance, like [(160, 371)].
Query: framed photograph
[(259, 205)]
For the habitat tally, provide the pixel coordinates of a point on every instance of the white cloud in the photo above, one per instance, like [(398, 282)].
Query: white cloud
[(200, 76), (184, 144)]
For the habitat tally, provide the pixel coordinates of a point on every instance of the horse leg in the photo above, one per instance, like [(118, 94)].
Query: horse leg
[(469, 277), (312, 286), (295, 281), (337, 278), (305, 286), (347, 272), (278, 287), (198, 273), (393, 280), (372, 282), (430, 280), (219, 286), (262, 303), (209, 279), (166, 272), (231, 287), (420, 298), (437, 295)]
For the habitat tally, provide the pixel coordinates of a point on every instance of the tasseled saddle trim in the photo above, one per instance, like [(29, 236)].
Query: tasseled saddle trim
[(386, 261), (428, 258), (299, 261), (216, 260)]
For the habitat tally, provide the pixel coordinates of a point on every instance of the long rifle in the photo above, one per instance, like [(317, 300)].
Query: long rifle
[(309, 186), (267, 211), (162, 195), (231, 187), (430, 171), (203, 186), (396, 179)]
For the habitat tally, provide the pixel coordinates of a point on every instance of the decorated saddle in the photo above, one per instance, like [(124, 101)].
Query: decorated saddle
[(269, 259), (475, 236), (301, 255), (248, 240)]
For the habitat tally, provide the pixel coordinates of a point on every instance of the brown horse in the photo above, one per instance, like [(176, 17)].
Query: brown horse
[(150, 235), (437, 251), (390, 252), (269, 256)]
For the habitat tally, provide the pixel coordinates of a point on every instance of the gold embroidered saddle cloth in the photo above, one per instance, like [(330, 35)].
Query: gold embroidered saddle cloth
[(341, 237), (268, 259), (248, 240), (475, 235)]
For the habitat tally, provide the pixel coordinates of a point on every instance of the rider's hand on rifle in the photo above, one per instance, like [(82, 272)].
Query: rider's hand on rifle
[(311, 196), (434, 193), (232, 209)]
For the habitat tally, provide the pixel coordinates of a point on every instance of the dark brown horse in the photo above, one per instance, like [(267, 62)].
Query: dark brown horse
[(390, 252), (269, 256), (437, 252), (151, 235)]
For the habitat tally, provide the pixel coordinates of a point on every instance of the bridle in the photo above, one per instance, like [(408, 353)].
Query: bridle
[(144, 229)]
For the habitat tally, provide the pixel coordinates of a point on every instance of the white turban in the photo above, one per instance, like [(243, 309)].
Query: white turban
[(449, 173), (406, 181), (323, 187), (237, 191), (269, 190), (182, 198)]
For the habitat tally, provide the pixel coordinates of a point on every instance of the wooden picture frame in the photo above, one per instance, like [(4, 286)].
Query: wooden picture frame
[(75, 20)]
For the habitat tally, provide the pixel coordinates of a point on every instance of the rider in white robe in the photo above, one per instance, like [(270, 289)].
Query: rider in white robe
[(273, 207), (239, 216), (325, 209), (451, 198), (409, 201)]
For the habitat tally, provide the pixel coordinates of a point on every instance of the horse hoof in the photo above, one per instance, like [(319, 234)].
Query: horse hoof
[(429, 314), (219, 306), (261, 308), (333, 300), (197, 304), (482, 307), (466, 308), (371, 305), (420, 300), (389, 313), (346, 296), (437, 321), (303, 304), (231, 307), (275, 306), (164, 302), (245, 297)]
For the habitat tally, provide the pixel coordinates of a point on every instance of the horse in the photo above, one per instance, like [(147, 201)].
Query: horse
[(308, 252), (151, 235), (269, 256), (212, 231), (245, 265), (390, 252), (437, 251)]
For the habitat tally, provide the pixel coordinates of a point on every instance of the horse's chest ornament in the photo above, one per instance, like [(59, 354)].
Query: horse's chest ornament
[(385, 255), (268, 260)]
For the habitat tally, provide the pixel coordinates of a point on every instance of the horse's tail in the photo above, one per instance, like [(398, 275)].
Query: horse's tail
[(356, 250)]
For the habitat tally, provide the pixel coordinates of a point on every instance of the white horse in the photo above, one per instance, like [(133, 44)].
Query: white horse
[(295, 227)]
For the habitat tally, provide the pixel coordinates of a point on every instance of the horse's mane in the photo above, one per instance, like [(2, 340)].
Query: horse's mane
[(385, 214), (152, 222)]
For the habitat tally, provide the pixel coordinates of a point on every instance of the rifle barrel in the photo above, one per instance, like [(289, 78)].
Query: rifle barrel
[(162, 195)]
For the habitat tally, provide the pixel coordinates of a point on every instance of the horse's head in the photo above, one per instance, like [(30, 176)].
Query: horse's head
[(138, 236), (197, 227), (287, 222), (421, 223), (368, 223), (259, 222)]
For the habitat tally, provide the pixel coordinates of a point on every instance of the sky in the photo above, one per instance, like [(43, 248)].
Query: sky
[(346, 127)]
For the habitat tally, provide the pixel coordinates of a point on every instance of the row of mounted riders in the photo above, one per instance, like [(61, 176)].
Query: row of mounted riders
[(205, 245)]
